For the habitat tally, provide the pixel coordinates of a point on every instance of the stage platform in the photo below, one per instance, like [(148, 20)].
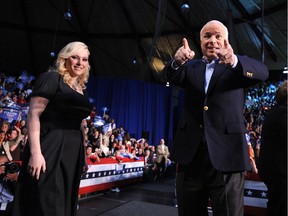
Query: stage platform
[(141, 199)]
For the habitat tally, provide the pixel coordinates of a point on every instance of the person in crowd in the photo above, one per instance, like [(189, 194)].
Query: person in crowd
[(121, 133), (15, 98), (257, 147), (152, 152), (21, 99), (146, 145), (4, 149), (125, 154), (54, 159), (111, 140), (272, 161), (149, 167), (22, 123), (2, 94), (24, 132), (114, 147), (133, 152), (117, 156), (113, 124), (251, 154), (93, 113), (91, 156), (14, 141), (140, 152), (95, 139), (104, 146), (210, 146), (128, 146), (5, 126), (8, 178), (162, 154)]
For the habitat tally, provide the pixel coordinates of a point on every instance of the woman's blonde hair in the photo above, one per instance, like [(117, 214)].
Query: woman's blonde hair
[(67, 51)]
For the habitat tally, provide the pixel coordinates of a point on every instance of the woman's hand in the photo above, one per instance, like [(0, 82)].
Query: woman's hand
[(36, 164)]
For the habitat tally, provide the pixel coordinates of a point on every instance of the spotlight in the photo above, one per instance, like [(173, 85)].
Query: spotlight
[(134, 61), (52, 54), (68, 15), (185, 8)]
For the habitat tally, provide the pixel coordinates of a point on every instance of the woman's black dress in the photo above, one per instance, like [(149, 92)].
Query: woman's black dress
[(56, 192)]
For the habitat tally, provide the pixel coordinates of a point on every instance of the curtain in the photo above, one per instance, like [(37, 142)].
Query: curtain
[(139, 106)]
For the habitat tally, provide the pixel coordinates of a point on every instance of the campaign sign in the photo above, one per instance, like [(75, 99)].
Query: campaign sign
[(10, 113)]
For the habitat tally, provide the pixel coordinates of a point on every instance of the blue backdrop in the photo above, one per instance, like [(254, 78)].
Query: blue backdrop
[(136, 105)]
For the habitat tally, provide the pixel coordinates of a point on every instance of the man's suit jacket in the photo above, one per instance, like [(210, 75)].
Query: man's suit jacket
[(218, 113)]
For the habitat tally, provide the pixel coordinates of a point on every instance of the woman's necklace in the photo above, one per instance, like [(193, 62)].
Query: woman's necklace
[(77, 87)]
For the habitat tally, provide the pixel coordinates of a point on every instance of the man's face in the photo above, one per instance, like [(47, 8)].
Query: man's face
[(13, 135), (212, 38)]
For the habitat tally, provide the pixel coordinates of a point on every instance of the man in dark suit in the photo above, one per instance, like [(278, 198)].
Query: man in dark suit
[(209, 145), (272, 161)]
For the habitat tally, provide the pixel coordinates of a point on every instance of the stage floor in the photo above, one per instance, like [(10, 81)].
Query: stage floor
[(142, 199)]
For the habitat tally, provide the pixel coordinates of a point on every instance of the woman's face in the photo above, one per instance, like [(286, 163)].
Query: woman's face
[(77, 64), (4, 127), (88, 150)]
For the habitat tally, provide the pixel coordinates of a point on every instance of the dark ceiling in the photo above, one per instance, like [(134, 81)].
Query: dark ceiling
[(147, 31)]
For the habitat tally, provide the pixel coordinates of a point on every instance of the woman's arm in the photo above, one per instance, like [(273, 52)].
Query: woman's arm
[(36, 162)]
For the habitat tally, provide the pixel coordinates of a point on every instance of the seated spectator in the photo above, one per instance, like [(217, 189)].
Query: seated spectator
[(133, 152), (125, 154), (117, 156), (140, 153)]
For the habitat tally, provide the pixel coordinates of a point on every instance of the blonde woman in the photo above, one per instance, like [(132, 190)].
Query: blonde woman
[(53, 161)]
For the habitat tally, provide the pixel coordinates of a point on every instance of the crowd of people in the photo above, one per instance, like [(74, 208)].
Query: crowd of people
[(260, 99), (114, 142)]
